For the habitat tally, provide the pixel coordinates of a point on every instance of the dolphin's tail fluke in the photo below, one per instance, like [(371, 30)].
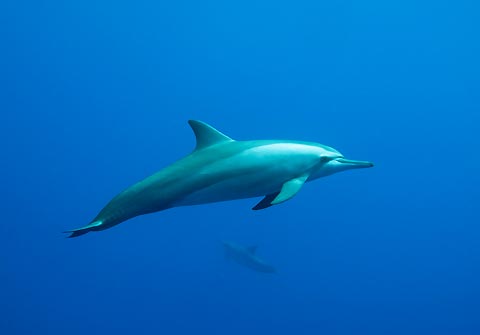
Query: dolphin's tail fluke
[(83, 230)]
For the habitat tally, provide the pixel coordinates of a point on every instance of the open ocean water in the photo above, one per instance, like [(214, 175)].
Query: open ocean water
[(95, 96)]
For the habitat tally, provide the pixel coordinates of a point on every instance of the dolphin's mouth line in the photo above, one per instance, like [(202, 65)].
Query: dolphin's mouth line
[(354, 162)]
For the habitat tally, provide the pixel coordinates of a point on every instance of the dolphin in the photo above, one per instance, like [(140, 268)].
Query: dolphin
[(246, 256), (221, 169)]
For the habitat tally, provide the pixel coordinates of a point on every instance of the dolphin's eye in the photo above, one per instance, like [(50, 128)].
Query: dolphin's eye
[(324, 159)]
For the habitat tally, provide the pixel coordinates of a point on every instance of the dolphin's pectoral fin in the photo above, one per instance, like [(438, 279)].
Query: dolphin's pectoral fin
[(83, 230), (289, 189), (265, 202), (206, 135)]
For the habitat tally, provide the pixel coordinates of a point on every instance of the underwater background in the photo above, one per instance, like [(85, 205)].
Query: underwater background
[(96, 96)]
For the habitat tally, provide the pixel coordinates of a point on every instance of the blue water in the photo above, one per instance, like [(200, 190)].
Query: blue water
[(96, 95)]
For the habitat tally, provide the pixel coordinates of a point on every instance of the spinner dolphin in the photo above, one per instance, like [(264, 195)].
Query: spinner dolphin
[(221, 169)]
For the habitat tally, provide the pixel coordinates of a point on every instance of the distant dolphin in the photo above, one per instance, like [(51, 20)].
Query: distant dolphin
[(246, 256), (221, 169)]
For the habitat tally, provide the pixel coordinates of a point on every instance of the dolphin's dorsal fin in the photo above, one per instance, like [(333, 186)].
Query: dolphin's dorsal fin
[(252, 249), (206, 135)]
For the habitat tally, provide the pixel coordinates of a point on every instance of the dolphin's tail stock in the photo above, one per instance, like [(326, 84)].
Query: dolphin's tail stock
[(84, 230)]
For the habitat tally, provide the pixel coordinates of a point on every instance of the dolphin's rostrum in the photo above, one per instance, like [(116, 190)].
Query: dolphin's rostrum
[(221, 169), (246, 256)]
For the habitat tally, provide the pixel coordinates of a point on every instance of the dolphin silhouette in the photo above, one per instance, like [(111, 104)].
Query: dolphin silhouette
[(221, 169), (246, 256)]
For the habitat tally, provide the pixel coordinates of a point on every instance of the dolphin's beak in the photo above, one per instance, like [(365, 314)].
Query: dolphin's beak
[(352, 164)]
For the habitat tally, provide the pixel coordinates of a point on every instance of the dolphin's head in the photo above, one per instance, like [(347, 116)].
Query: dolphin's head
[(332, 161)]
